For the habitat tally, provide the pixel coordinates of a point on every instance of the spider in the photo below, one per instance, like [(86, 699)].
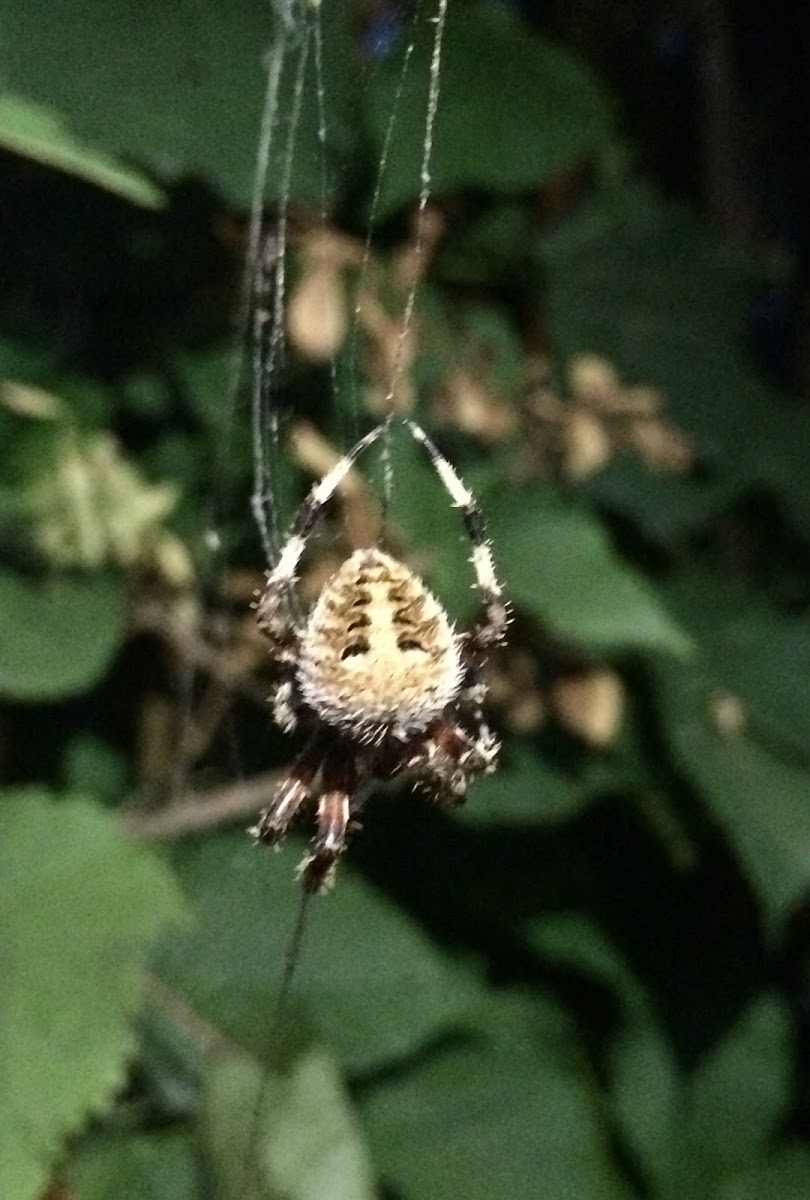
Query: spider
[(377, 675)]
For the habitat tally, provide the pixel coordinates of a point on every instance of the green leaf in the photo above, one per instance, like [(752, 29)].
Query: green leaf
[(508, 1111), (740, 1091), (182, 89), (644, 1083), (58, 635), (764, 659), (755, 774), (688, 1132), (645, 1088), (758, 796), (730, 1106), (515, 110), (80, 906), (39, 133), (692, 1133), (576, 942), (152, 1167), (289, 1136), (781, 1177), (664, 506), (558, 565), (361, 954)]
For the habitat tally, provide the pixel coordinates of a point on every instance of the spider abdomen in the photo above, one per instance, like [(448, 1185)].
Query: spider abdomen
[(379, 654)]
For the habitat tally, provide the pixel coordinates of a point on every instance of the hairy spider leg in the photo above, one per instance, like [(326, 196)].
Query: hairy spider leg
[(492, 630), (448, 758), (312, 509), (274, 614), (339, 783), (293, 791)]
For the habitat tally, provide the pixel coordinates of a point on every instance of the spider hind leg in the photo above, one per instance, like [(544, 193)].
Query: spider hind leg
[(447, 761), (317, 868), (290, 795)]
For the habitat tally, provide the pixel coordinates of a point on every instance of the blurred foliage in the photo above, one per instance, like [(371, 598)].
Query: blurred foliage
[(591, 981)]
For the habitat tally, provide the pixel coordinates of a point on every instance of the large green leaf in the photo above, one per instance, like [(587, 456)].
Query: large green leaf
[(737, 722), (644, 1076), (143, 1167), (783, 1176), (361, 955), (181, 86), (515, 110), (58, 634), (508, 1112), (80, 906), (759, 796), (739, 1093), (558, 565), (289, 1136), (729, 1109), (36, 132), (764, 659), (689, 1131)]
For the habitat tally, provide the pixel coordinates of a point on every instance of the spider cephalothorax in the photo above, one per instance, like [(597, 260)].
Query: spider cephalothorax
[(378, 675)]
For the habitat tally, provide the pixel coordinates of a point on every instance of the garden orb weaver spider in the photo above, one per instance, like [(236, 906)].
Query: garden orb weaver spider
[(377, 673)]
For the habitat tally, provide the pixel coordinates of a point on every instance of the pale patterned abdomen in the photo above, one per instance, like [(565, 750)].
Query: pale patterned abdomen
[(379, 654)]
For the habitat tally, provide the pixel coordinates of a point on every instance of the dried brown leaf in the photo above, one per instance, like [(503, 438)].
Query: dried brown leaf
[(594, 382), (586, 444), (317, 321), (590, 705), (465, 402), (660, 445)]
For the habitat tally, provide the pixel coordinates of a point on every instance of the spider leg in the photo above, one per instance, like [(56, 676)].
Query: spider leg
[(285, 703), (491, 631), (448, 758), (317, 868), (274, 614), (276, 620), (293, 791)]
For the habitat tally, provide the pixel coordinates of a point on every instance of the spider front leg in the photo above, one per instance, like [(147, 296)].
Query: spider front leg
[(491, 629), (339, 781), (275, 619), (285, 704), (275, 603)]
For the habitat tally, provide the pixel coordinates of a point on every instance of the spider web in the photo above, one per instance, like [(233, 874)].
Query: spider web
[(296, 54), (294, 78), (294, 74), (294, 64)]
